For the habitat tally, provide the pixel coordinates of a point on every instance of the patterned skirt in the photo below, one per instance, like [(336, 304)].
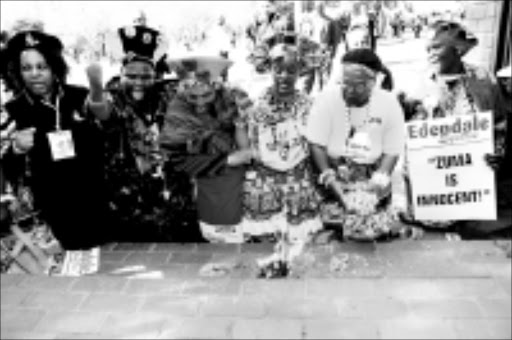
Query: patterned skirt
[(277, 203)]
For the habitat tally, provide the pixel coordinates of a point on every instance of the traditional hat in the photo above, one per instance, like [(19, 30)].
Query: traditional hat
[(202, 66), (286, 42), (138, 43), (33, 40), (365, 57), (453, 33), (199, 76)]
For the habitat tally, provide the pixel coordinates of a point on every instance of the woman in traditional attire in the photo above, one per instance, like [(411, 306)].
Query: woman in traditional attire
[(356, 136), (148, 198), (280, 196), (201, 139)]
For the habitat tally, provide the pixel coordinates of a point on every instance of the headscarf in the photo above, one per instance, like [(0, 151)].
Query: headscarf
[(361, 65), (453, 34), (137, 43)]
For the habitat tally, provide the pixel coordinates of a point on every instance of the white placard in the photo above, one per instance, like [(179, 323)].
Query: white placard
[(450, 179)]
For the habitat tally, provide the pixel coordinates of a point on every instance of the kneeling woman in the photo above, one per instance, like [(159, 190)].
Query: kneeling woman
[(357, 132)]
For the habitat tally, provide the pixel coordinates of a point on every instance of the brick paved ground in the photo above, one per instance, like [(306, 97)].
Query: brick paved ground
[(403, 289)]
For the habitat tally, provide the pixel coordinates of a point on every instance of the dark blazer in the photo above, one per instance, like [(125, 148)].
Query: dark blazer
[(67, 192)]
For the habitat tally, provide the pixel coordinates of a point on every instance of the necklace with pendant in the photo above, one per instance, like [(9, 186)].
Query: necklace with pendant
[(353, 128)]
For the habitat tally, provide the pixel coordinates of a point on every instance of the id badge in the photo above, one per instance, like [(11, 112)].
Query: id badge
[(61, 144)]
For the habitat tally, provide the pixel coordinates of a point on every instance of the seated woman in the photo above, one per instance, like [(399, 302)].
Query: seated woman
[(56, 150), (356, 136), (200, 138), (280, 199), (150, 201), (453, 87)]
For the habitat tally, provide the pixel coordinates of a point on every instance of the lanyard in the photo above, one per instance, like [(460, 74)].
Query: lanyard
[(58, 122)]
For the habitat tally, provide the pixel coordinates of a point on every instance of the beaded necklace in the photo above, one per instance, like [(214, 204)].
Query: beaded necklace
[(351, 127)]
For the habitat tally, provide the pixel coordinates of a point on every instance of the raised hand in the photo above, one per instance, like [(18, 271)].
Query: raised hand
[(240, 157), (95, 77)]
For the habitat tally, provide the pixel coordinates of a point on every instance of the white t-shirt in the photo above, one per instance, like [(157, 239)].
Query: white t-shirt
[(379, 126)]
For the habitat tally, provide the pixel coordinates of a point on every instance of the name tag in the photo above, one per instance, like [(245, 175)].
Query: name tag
[(61, 144)]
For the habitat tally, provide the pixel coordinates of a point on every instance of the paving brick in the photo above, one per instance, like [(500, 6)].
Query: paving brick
[(114, 256), (499, 269), (472, 287), (416, 329), (376, 308), (200, 328), (189, 257), (10, 280), (134, 246), (133, 325), (175, 247), (20, 319), (212, 286), (145, 258), (500, 328), (21, 334), (171, 326), (299, 308), (111, 302), (244, 307), (13, 297), (506, 284), (402, 246), (72, 322), (425, 266), (177, 271), (95, 284), (109, 268), (444, 308), (340, 288), (153, 287), (41, 282), (410, 288), (108, 246), (341, 329), (268, 329), (472, 328), (85, 335), (172, 305), (274, 288), (258, 248), (219, 248), (495, 308), (53, 300)]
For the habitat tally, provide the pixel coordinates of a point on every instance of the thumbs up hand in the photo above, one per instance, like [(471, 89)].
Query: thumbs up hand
[(95, 77)]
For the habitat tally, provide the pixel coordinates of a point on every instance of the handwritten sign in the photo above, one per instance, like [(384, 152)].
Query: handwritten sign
[(450, 179)]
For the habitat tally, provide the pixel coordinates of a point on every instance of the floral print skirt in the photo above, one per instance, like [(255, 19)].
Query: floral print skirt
[(277, 202)]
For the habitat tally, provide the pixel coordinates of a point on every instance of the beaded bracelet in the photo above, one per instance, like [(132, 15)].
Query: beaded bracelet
[(380, 179), (326, 177)]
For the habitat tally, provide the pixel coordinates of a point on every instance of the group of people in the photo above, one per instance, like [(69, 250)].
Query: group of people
[(201, 160)]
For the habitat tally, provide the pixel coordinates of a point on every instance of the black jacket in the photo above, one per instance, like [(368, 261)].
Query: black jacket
[(68, 192)]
